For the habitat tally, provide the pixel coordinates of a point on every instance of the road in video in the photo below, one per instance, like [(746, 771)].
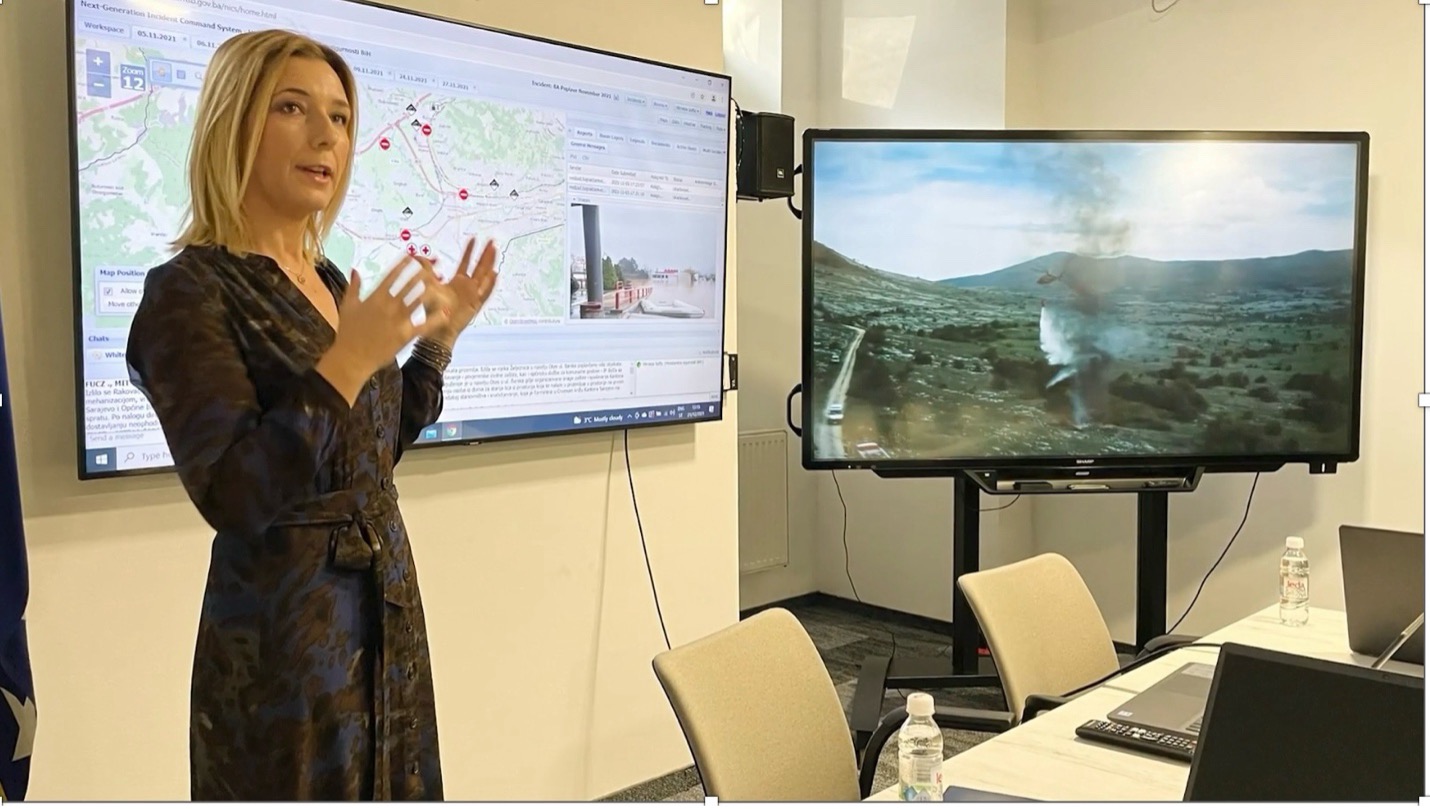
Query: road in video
[(1039, 299)]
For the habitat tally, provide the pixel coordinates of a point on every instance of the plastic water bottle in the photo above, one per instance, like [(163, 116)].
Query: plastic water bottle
[(920, 752), (1295, 583)]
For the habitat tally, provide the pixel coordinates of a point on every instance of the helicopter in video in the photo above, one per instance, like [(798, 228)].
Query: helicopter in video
[(1085, 297)]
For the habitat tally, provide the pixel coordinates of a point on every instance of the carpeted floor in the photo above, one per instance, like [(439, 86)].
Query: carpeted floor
[(845, 635)]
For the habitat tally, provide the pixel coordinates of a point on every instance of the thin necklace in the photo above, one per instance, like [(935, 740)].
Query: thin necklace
[(300, 277)]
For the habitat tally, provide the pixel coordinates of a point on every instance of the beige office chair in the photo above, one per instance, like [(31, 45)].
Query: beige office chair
[(1045, 632), (764, 722), (1048, 640), (760, 713)]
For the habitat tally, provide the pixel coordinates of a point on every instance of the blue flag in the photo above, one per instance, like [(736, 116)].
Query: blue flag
[(17, 703)]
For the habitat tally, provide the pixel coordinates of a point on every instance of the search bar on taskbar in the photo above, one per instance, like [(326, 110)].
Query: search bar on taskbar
[(146, 456)]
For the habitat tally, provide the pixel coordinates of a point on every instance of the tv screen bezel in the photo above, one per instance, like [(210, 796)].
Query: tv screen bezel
[(76, 269), (1211, 463)]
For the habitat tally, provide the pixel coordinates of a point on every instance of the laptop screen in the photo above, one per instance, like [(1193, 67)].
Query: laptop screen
[(1282, 727)]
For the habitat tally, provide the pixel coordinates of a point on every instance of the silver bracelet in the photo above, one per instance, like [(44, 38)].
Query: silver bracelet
[(433, 353)]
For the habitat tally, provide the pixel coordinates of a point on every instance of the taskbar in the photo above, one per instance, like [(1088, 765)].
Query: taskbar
[(474, 430), (110, 461)]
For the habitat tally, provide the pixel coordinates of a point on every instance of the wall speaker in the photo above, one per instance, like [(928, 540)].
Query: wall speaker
[(764, 154)]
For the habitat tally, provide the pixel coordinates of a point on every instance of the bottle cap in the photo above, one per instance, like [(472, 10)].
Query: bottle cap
[(1296, 543), (920, 704)]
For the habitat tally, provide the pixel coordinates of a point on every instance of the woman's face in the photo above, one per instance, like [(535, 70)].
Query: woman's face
[(303, 150)]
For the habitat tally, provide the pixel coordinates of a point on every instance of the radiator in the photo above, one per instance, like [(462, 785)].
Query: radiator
[(764, 501)]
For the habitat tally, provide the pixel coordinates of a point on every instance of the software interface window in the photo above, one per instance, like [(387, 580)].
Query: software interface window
[(602, 180)]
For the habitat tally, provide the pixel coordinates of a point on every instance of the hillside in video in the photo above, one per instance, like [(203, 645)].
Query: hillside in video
[(653, 262), (1038, 299)]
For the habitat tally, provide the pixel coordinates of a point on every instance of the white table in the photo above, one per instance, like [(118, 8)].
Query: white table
[(1044, 760)]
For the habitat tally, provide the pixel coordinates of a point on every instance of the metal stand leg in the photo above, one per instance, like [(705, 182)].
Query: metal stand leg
[(964, 669)]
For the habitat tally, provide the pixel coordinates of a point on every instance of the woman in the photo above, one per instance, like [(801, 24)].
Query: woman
[(276, 386)]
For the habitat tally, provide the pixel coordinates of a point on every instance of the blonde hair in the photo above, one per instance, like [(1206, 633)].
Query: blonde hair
[(228, 125)]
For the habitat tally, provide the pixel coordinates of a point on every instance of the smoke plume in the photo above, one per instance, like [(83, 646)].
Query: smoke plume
[(1085, 197), (1079, 336), (1082, 347)]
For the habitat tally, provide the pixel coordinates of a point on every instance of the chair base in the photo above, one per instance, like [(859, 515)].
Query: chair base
[(880, 673)]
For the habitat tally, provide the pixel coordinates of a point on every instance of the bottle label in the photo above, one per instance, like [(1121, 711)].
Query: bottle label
[(1295, 588), (931, 792), (922, 779)]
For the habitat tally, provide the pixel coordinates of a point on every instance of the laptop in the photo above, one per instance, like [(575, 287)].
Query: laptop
[(1283, 727), (1172, 705), (1384, 577), (968, 795)]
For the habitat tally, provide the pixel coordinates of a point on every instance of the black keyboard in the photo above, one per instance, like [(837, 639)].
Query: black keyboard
[(1152, 742)]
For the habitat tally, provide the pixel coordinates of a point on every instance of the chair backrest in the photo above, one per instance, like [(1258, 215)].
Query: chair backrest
[(760, 713), (1044, 630)]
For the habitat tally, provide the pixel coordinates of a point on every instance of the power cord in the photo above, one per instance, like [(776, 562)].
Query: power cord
[(844, 538), (844, 535), (1008, 504), (739, 141), (635, 506), (1139, 662), (1247, 513)]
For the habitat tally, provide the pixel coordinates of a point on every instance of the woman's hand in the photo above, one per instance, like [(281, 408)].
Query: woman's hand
[(469, 288), (371, 331)]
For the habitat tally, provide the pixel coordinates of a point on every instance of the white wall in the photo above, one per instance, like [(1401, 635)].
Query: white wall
[(1271, 64), (769, 55), (912, 63), (857, 63), (539, 608)]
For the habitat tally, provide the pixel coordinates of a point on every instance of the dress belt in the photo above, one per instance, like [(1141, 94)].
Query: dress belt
[(356, 540)]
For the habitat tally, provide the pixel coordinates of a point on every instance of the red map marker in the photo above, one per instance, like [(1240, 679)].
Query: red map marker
[(426, 250), (406, 234), (385, 144), (462, 193), (426, 129), (411, 249)]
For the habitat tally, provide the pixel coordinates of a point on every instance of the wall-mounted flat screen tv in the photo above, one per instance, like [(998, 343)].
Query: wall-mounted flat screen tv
[(602, 179)]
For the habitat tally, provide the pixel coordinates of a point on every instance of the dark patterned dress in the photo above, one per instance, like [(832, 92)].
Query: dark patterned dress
[(311, 676)]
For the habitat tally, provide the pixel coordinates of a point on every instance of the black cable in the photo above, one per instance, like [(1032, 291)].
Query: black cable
[(739, 141), (635, 506), (1229, 543), (844, 537), (1009, 504), (1163, 9), (1138, 663), (789, 200)]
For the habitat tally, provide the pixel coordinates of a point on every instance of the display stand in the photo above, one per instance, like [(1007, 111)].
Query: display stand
[(965, 668)]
